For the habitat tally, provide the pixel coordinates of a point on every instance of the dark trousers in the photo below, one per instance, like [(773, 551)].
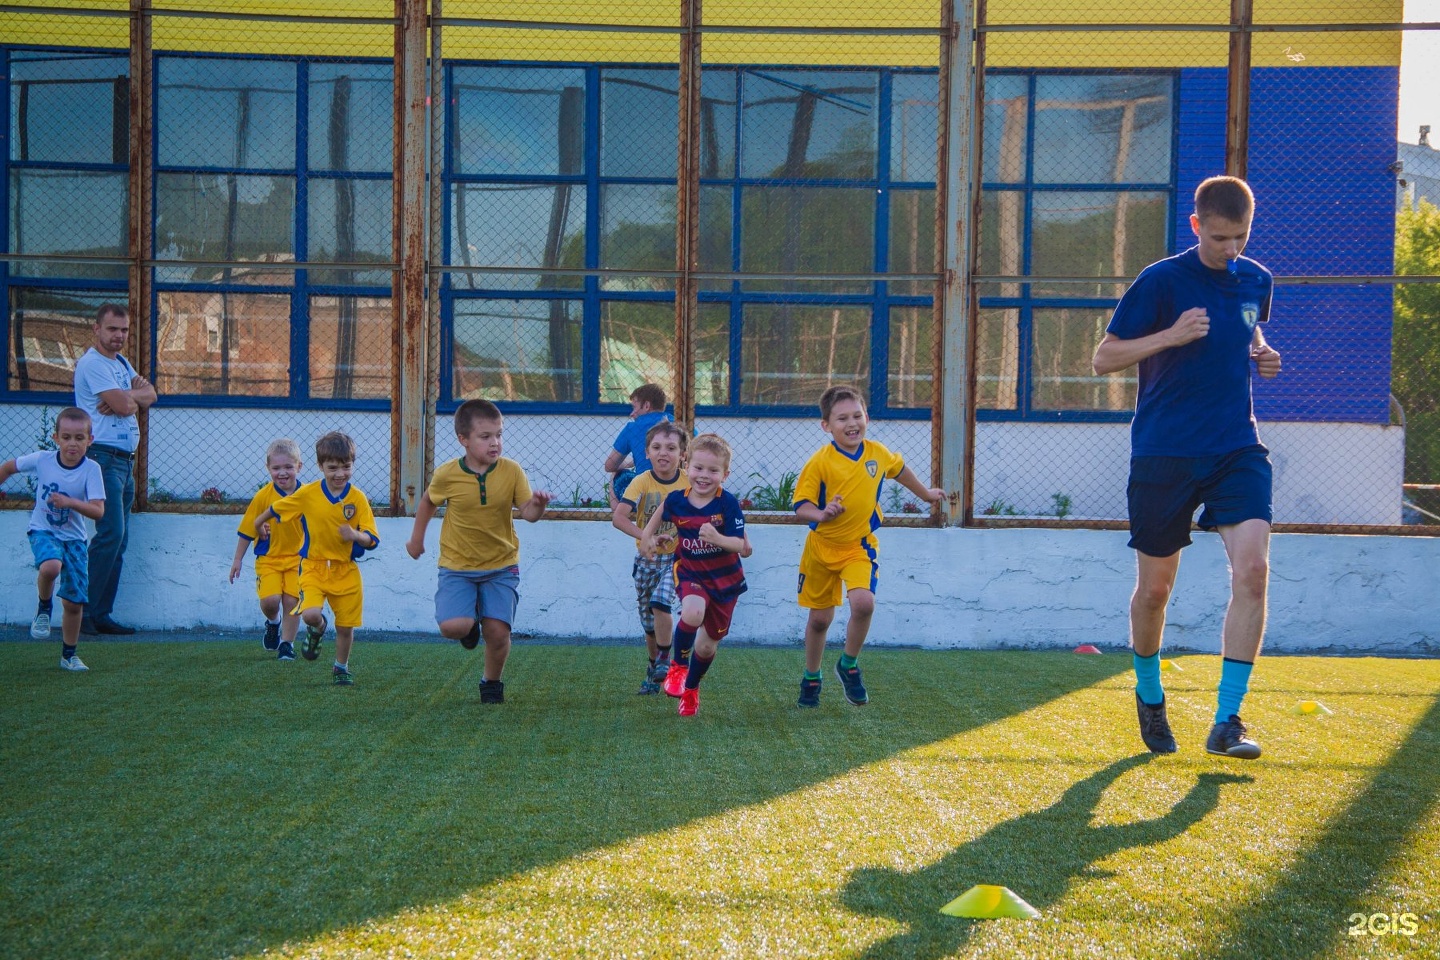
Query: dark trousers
[(112, 531)]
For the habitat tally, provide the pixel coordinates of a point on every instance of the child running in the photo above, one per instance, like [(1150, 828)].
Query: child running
[(709, 544), (479, 579), (277, 551), (338, 527), (838, 493), (654, 576), (68, 488)]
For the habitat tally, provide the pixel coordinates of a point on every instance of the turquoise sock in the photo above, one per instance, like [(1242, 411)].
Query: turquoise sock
[(1147, 678), (812, 674), (1234, 681), (846, 661)]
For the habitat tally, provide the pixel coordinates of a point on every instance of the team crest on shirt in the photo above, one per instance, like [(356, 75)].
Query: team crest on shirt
[(871, 466), (717, 520), (349, 511), (1250, 312)]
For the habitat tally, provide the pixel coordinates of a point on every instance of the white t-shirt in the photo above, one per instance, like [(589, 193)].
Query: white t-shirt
[(94, 374), (84, 481)]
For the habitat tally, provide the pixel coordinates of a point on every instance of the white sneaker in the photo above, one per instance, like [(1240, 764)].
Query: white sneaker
[(40, 626), (72, 663)]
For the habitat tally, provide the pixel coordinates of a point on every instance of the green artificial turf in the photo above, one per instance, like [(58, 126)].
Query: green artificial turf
[(201, 800)]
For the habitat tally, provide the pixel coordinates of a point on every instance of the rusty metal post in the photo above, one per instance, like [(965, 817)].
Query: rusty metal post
[(687, 212), (960, 185), (140, 230), (1237, 98), (407, 399), (435, 103)]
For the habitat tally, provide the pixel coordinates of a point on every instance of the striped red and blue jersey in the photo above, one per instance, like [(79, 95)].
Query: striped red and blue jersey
[(696, 561)]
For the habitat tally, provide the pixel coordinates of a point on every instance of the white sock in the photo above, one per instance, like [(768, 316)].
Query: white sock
[(273, 623)]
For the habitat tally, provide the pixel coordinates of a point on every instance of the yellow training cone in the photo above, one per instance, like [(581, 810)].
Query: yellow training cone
[(986, 901), (1311, 708), (1171, 665)]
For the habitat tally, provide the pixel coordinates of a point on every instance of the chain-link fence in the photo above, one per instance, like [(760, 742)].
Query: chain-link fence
[(359, 214)]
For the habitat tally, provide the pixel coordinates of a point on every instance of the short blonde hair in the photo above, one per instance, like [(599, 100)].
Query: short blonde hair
[(286, 446), (712, 443)]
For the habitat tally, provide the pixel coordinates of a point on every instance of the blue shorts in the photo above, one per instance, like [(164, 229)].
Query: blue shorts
[(621, 481), (1164, 492), (74, 557), (493, 594)]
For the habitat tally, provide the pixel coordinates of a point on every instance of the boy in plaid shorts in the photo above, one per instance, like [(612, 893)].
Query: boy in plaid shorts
[(654, 576)]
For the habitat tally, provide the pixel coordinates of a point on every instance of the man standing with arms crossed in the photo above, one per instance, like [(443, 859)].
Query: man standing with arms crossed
[(109, 389), (1192, 324)]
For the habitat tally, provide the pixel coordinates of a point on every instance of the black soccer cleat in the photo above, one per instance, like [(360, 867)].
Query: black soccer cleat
[(1155, 726), (1227, 739), (272, 636), (492, 691), (471, 640), (310, 650)]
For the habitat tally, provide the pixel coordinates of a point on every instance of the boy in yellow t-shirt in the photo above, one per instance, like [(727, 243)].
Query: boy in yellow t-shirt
[(654, 576), (277, 551), (838, 493), (337, 527), (479, 578)]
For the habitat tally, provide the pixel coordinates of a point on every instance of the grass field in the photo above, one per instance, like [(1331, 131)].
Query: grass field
[(200, 800)]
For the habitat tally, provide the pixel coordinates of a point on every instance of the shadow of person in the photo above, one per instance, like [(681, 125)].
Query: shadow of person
[(1037, 854)]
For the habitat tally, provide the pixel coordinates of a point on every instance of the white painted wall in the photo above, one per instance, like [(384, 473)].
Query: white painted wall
[(939, 588), (1324, 472)]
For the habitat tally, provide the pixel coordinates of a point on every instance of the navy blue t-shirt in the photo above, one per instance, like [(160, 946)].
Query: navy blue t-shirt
[(704, 563), (1194, 400)]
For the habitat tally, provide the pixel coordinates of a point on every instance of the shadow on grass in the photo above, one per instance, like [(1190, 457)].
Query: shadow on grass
[(1336, 876), (1039, 854), (206, 802)]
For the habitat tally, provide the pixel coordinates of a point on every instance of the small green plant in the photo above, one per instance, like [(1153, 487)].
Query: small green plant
[(1062, 504), (999, 508), (896, 501), (159, 494), (779, 496)]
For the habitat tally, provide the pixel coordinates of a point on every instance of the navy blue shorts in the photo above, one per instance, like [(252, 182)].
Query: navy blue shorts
[(1164, 492)]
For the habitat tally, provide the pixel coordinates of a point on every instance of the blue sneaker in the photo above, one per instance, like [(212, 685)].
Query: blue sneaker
[(854, 686), (272, 636), (809, 693), (647, 687), (343, 677)]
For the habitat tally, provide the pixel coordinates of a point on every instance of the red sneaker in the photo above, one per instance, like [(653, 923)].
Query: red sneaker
[(675, 679), (689, 702)]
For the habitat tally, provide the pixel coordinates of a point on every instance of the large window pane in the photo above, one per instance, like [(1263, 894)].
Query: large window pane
[(912, 356), (914, 126), (997, 360), (712, 355), (352, 117), (350, 347), (65, 212), (809, 123), (716, 234), (49, 330), (519, 120), (350, 223), (912, 241), (237, 114), (639, 123), (517, 350), (1007, 105), (637, 232), (1107, 234), (1112, 128), (1002, 222), (807, 230), (225, 217), (792, 353), (230, 344), (69, 107), (1064, 343), (637, 345), (717, 122), (517, 225)]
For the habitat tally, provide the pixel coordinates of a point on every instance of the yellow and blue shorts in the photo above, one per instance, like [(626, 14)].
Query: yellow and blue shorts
[(277, 575), (336, 582), (829, 570)]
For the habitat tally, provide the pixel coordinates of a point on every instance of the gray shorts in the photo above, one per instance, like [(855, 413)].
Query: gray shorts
[(477, 593), (654, 588)]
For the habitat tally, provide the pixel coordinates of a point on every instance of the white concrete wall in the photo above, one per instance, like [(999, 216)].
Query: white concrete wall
[(938, 588)]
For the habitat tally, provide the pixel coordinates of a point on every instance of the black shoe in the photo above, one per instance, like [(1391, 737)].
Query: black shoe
[(492, 691), (87, 627), (854, 686), (1155, 726), (809, 693), (272, 636), (286, 651), (310, 650), (1228, 739), (472, 639), (114, 629)]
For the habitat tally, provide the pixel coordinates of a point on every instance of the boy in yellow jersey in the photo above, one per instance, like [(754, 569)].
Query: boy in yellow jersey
[(838, 493), (277, 551), (654, 576), (478, 587), (337, 528)]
